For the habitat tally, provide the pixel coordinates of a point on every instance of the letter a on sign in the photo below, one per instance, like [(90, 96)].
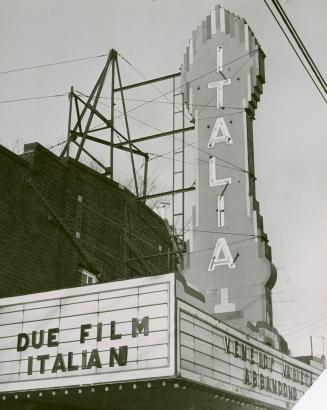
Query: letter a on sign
[(221, 255), (220, 133)]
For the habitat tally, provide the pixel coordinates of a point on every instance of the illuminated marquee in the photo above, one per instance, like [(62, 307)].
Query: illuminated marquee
[(132, 330), (219, 356), (223, 74), (95, 334)]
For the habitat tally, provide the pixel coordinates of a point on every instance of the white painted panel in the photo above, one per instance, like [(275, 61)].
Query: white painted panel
[(187, 340), (14, 317), (8, 342), (29, 327), (75, 309), (158, 323), (154, 288), (8, 309), (220, 366), (153, 298), (218, 340), (78, 299), (198, 368), (120, 316), (152, 352), (203, 347), (9, 354), (77, 321), (11, 330), (69, 335), (118, 293), (52, 312), (41, 304), (154, 311), (9, 367), (9, 378), (123, 302), (187, 366), (187, 354)]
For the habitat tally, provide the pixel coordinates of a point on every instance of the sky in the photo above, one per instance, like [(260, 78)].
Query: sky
[(289, 131)]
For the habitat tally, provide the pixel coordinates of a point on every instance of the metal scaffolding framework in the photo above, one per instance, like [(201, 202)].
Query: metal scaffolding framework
[(86, 110)]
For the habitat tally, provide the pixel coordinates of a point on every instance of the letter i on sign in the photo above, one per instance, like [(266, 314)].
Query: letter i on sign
[(219, 85), (220, 133)]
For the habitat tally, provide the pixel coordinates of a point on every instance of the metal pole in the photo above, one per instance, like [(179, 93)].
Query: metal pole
[(112, 135), (311, 345), (69, 118), (323, 345), (89, 100), (174, 142), (96, 98), (127, 128), (145, 182), (183, 168)]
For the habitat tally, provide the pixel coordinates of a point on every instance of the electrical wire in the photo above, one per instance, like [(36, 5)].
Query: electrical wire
[(146, 79), (233, 76), (34, 98), (226, 233), (15, 70), (232, 166), (306, 320), (305, 332), (295, 51), (195, 79), (307, 325), (300, 44)]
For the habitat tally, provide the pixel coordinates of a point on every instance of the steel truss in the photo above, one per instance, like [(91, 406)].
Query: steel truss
[(86, 110)]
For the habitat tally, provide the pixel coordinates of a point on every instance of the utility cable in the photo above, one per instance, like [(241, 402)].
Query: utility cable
[(195, 79), (305, 331), (307, 325), (300, 44), (232, 166), (146, 79), (295, 51), (304, 321), (34, 98), (15, 70)]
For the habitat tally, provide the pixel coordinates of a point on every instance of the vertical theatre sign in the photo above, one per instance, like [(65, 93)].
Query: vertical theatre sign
[(223, 74), (98, 334)]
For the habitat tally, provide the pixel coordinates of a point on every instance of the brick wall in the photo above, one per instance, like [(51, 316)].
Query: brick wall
[(58, 216)]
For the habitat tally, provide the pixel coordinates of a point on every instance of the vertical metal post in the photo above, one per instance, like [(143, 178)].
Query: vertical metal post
[(96, 98), (174, 159), (183, 167), (112, 136), (95, 88), (311, 345), (323, 344), (69, 118), (145, 181), (127, 126)]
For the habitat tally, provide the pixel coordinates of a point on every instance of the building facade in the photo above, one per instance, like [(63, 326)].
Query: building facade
[(63, 224)]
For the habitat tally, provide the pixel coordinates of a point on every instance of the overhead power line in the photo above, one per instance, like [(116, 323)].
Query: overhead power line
[(297, 54), (300, 44), (42, 97), (75, 60)]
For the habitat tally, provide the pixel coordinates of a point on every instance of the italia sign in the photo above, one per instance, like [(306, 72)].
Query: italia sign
[(230, 260)]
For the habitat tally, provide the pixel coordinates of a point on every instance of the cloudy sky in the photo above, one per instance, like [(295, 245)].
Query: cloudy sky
[(290, 126)]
